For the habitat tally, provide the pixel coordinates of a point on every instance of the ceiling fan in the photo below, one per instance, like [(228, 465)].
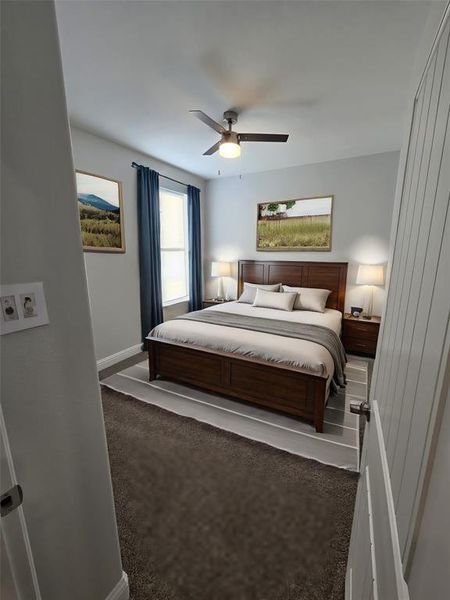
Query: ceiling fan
[(229, 144)]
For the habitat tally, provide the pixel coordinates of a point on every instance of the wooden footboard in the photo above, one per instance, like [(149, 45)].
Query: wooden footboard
[(275, 386)]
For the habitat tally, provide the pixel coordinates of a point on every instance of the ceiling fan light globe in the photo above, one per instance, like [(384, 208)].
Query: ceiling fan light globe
[(229, 150)]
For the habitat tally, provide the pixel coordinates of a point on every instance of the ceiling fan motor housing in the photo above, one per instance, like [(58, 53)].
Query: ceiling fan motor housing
[(230, 117)]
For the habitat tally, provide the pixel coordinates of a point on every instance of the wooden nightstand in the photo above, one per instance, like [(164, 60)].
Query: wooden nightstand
[(360, 336), (213, 302)]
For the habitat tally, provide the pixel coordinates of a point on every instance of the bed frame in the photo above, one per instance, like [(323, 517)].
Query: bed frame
[(275, 386)]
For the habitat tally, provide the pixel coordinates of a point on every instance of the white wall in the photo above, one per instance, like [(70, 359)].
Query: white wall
[(363, 190), (113, 279), (50, 394)]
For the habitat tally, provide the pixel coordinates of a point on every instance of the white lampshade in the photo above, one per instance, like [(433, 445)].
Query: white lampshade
[(220, 269), (370, 275), (229, 150)]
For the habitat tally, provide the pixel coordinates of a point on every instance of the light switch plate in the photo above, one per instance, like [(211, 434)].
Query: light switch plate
[(22, 306)]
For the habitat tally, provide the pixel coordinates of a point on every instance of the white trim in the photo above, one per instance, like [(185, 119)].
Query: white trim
[(349, 587), (373, 557), (176, 300), (120, 590), (402, 587), (350, 366), (340, 424), (109, 361)]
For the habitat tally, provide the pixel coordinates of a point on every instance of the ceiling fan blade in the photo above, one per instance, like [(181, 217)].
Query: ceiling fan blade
[(212, 150), (263, 137), (208, 121)]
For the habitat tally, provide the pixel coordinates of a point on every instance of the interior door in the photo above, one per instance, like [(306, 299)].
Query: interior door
[(409, 384), (18, 574)]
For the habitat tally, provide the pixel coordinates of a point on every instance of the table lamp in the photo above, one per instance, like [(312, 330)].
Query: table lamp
[(220, 270), (370, 275)]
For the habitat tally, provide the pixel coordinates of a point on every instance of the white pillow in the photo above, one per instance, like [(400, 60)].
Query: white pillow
[(249, 294), (309, 298), (280, 301)]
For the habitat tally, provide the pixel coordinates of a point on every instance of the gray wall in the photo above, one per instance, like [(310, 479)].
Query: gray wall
[(363, 190), (113, 279), (50, 394)]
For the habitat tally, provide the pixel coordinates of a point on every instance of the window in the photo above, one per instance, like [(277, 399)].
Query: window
[(174, 247)]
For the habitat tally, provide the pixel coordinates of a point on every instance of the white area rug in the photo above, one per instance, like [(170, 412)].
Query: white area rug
[(338, 445)]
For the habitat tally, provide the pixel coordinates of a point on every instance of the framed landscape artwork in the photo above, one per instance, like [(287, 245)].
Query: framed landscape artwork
[(101, 213), (303, 224)]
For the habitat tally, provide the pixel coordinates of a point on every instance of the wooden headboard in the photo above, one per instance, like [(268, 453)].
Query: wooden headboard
[(325, 275)]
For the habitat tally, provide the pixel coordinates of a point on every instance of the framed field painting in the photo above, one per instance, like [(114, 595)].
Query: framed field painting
[(101, 213), (303, 224)]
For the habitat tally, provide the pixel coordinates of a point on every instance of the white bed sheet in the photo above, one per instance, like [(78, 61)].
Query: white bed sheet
[(301, 354)]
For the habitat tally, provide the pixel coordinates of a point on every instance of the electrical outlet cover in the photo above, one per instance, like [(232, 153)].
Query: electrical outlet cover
[(22, 306)]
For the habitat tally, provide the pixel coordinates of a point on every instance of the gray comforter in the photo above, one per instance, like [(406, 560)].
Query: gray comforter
[(312, 333)]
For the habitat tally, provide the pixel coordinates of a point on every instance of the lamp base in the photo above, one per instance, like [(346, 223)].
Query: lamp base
[(220, 295), (368, 313)]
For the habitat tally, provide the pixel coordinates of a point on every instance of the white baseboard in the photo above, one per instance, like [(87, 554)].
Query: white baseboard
[(109, 361), (121, 590)]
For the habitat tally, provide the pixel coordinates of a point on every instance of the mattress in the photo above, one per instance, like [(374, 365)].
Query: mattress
[(299, 354)]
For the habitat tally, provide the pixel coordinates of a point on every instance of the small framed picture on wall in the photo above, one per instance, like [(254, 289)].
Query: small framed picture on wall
[(100, 206)]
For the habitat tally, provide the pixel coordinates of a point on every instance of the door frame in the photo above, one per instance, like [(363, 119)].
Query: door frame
[(20, 557)]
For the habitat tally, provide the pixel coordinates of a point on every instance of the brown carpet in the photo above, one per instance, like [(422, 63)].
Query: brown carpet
[(207, 515)]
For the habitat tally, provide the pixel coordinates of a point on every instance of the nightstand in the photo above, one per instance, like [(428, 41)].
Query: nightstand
[(360, 335), (213, 302)]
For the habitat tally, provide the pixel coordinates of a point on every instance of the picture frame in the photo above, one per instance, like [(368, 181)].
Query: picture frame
[(299, 225), (100, 206)]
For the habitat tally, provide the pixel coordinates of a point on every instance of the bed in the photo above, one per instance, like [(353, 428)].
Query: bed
[(272, 370)]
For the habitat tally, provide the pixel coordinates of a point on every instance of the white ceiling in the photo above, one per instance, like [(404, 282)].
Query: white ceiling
[(334, 75)]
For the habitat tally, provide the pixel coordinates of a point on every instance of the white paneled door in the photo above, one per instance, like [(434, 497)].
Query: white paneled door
[(410, 374)]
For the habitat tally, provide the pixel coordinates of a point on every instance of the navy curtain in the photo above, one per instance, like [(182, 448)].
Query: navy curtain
[(149, 249), (195, 249)]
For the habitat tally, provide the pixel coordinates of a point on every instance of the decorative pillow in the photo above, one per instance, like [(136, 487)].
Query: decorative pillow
[(280, 301), (249, 294), (309, 298)]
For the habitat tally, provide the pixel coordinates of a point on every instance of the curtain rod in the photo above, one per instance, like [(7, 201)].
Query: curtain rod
[(135, 166)]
